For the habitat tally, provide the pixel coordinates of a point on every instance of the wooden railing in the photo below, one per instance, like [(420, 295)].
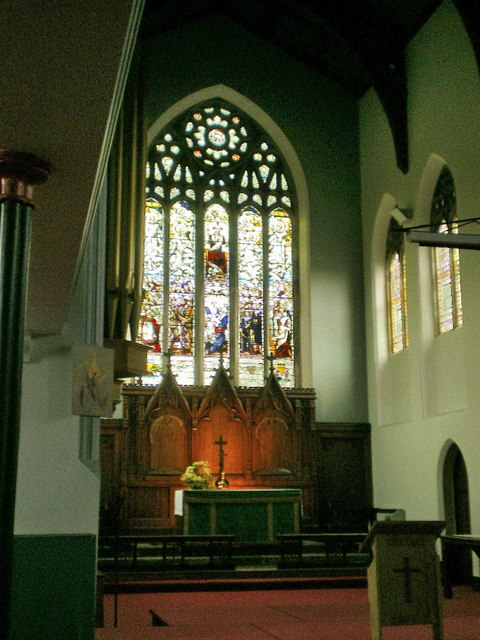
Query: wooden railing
[(169, 550), (327, 548)]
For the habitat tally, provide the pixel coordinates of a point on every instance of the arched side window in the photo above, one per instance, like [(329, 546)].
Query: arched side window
[(396, 289), (219, 267), (446, 261)]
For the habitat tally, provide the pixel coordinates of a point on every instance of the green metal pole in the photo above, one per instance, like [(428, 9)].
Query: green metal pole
[(18, 172), (15, 223)]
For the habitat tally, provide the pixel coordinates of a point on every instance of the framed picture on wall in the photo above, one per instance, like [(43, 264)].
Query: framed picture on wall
[(92, 393)]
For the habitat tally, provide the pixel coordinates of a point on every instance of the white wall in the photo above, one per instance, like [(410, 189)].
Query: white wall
[(58, 484), (424, 398), (56, 492)]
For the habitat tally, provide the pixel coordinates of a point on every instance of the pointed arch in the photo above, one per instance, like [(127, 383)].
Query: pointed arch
[(430, 258), (303, 360), (455, 504), (454, 482)]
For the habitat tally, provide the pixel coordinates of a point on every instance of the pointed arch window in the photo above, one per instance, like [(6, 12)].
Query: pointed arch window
[(446, 261), (219, 231), (396, 289)]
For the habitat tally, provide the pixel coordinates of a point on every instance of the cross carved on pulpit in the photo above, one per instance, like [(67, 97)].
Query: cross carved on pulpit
[(221, 453), (407, 571)]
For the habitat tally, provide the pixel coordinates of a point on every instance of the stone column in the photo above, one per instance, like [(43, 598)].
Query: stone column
[(19, 172)]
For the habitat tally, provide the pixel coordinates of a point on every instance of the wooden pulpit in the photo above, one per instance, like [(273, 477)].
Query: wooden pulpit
[(404, 576)]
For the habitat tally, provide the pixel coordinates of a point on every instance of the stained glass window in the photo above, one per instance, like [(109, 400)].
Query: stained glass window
[(446, 261), (219, 269), (396, 289)]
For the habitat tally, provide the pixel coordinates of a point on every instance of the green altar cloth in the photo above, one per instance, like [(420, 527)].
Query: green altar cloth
[(251, 515)]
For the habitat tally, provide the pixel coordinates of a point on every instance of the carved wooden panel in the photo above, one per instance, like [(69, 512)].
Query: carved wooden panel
[(149, 507), (108, 470), (221, 413), (272, 447), (111, 492), (270, 434), (220, 422), (168, 445), (273, 441)]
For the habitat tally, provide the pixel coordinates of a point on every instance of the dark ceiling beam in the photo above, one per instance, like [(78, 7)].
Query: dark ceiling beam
[(390, 84), (350, 41), (376, 46)]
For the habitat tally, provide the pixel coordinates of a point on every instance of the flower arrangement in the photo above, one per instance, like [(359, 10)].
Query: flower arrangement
[(197, 475)]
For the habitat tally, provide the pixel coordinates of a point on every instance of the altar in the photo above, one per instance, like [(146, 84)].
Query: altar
[(251, 515)]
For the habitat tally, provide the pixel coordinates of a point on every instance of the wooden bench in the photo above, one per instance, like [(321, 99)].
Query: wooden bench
[(173, 548), (334, 547)]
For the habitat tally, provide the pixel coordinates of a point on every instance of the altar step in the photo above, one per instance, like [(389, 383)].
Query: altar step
[(249, 572), (233, 580), (248, 562), (249, 565)]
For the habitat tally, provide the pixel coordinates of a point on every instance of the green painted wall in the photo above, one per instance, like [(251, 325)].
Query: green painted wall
[(53, 587), (320, 120)]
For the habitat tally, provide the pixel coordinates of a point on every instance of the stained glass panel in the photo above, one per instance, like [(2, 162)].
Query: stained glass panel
[(396, 288), (397, 306), (206, 163), (449, 302), (446, 261), (250, 298), (151, 318), (280, 262), (216, 286), (181, 301)]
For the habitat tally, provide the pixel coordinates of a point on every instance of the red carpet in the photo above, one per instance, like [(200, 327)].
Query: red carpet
[(311, 614)]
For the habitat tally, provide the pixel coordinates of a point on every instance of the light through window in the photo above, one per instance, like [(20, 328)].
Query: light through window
[(219, 268), (396, 289), (446, 261)]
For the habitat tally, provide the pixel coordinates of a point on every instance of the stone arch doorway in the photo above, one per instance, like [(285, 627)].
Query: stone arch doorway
[(457, 512)]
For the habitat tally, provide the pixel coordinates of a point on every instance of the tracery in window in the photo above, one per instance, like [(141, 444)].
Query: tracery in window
[(396, 289), (219, 268), (446, 261)]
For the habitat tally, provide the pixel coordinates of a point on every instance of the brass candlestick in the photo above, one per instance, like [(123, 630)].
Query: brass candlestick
[(221, 482)]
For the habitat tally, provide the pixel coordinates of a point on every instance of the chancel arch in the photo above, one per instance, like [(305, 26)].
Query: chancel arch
[(268, 430)]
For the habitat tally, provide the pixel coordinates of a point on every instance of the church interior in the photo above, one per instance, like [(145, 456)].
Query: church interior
[(339, 372)]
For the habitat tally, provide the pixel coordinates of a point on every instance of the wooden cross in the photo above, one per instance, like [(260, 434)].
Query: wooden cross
[(221, 453), (407, 571)]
